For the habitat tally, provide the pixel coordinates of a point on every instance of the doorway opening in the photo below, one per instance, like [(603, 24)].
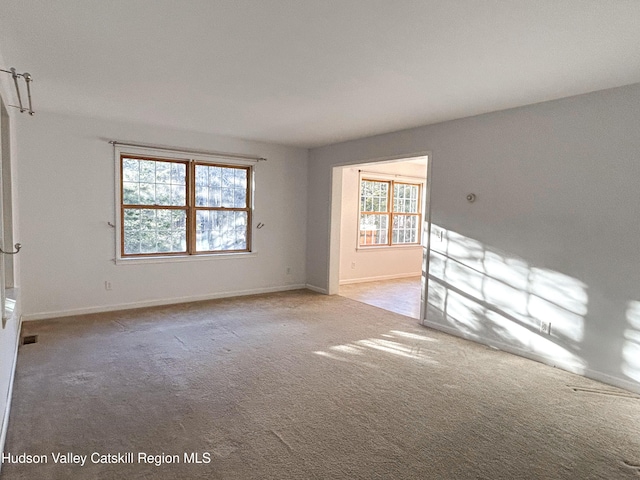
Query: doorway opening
[(379, 233)]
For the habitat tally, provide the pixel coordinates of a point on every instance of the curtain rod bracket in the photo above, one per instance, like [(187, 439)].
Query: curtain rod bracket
[(27, 79)]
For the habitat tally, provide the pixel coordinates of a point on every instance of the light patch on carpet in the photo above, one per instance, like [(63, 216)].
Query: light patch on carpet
[(396, 349), (413, 336), (352, 349)]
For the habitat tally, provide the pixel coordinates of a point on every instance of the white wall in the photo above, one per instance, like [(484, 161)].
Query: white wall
[(66, 197), (554, 232), (362, 265)]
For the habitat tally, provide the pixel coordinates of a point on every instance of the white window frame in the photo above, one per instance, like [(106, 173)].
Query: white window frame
[(161, 154)]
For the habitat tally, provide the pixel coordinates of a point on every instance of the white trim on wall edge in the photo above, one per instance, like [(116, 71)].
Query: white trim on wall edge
[(7, 410), (313, 288), (157, 303), (382, 277), (552, 362)]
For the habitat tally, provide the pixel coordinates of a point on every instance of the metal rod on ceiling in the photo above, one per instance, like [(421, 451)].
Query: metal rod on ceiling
[(188, 150)]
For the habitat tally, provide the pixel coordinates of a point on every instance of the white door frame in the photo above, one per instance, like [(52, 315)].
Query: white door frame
[(333, 265)]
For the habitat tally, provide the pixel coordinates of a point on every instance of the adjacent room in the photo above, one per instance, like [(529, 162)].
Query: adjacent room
[(299, 239), (382, 210)]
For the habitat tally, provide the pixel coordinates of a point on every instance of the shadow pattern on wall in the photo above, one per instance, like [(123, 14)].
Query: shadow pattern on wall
[(631, 348), (488, 295)]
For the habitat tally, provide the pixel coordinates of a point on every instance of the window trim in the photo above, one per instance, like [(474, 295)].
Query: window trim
[(190, 160), (391, 180)]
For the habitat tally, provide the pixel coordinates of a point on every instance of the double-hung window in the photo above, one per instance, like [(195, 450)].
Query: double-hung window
[(183, 207), (390, 213)]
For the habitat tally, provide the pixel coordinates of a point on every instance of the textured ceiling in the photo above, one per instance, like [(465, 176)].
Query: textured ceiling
[(310, 72)]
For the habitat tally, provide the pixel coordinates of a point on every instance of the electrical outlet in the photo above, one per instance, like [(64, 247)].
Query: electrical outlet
[(288, 270), (107, 285), (545, 327), (353, 265)]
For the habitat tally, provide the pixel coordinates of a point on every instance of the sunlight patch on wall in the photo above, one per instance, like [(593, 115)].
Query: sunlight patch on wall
[(559, 289), (9, 307), (464, 312), (488, 294), (633, 314), (631, 348)]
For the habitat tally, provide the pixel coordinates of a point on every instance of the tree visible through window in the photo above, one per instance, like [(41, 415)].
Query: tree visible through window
[(389, 213), (172, 207)]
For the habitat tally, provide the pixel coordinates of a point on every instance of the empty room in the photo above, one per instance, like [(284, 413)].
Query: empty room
[(303, 239)]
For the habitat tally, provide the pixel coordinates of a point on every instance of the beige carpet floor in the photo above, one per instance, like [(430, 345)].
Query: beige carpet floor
[(298, 385)]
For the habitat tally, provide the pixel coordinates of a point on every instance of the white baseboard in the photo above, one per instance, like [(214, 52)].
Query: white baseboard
[(158, 302), (553, 362), (378, 278), (7, 410), (313, 288)]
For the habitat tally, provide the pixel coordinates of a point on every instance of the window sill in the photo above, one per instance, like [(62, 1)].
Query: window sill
[(184, 258), (373, 248)]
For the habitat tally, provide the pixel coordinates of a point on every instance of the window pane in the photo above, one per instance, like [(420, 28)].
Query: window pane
[(178, 195), (240, 198), (147, 171), (154, 230), (405, 229), (202, 176), (221, 186), (227, 197), (131, 243), (405, 198), (227, 177), (215, 196), (163, 194), (215, 176), (131, 193), (131, 219), (373, 196), (130, 170), (163, 172), (178, 173), (147, 193), (241, 178), (150, 182), (131, 231), (201, 196), (221, 230), (374, 229)]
